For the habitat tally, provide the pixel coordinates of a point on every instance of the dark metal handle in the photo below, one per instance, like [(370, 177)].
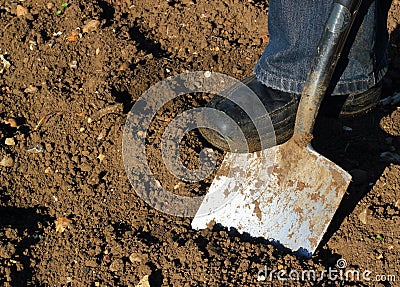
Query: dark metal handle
[(329, 49)]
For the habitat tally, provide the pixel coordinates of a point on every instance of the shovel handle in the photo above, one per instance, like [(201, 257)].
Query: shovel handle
[(324, 63)]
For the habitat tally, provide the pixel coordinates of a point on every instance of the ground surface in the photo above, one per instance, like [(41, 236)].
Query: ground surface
[(57, 170)]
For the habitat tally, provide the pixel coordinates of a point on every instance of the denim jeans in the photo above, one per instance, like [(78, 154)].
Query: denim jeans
[(294, 31)]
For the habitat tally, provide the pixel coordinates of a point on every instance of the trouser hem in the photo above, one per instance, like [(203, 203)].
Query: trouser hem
[(294, 86)]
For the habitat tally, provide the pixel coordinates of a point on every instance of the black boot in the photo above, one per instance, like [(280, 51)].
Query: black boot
[(281, 108)]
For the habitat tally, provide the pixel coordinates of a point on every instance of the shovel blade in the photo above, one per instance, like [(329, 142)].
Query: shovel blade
[(286, 194)]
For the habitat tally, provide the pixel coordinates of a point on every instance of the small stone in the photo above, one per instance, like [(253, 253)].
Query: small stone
[(123, 67), (347, 129), (207, 74), (21, 11), (101, 135), (49, 147), (85, 167), (91, 25), (7, 161), (37, 148), (97, 284), (9, 141), (94, 180), (47, 170), (73, 64), (31, 89), (62, 224), (363, 216), (178, 185), (86, 153), (144, 282), (50, 5), (12, 122), (101, 157), (82, 129)]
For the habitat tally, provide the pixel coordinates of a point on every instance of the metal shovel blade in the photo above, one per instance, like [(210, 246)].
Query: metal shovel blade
[(289, 201)]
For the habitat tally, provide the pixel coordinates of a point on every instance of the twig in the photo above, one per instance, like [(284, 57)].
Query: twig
[(114, 109), (44, 119)]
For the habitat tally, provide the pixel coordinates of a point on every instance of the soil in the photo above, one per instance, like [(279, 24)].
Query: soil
[(68, 214)]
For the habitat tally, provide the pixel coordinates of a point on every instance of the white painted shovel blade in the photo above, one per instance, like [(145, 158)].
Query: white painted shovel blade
[(284, 196)]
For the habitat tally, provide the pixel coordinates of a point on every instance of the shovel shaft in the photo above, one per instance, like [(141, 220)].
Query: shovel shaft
[(329, 49)]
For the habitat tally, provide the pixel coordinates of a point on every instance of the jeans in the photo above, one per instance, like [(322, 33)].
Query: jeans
[(295, 28)]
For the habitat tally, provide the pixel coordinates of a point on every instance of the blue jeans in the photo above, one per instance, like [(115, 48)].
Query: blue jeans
[(294, 31)]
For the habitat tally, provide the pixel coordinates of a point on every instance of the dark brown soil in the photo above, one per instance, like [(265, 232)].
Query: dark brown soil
[(57, 166)]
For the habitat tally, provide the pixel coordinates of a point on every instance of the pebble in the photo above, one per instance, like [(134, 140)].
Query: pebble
[(207, 74), (9, 141), (7, 161), (91, 25), (363, 216), (37, 148), (12, 122), (31, 89), (49, 147), (21, 11), (144, 282), (85, 167), (73, 64), (101, 157)]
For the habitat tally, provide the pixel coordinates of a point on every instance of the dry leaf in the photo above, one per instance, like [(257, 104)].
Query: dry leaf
[(62, 223), (72, 38)]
